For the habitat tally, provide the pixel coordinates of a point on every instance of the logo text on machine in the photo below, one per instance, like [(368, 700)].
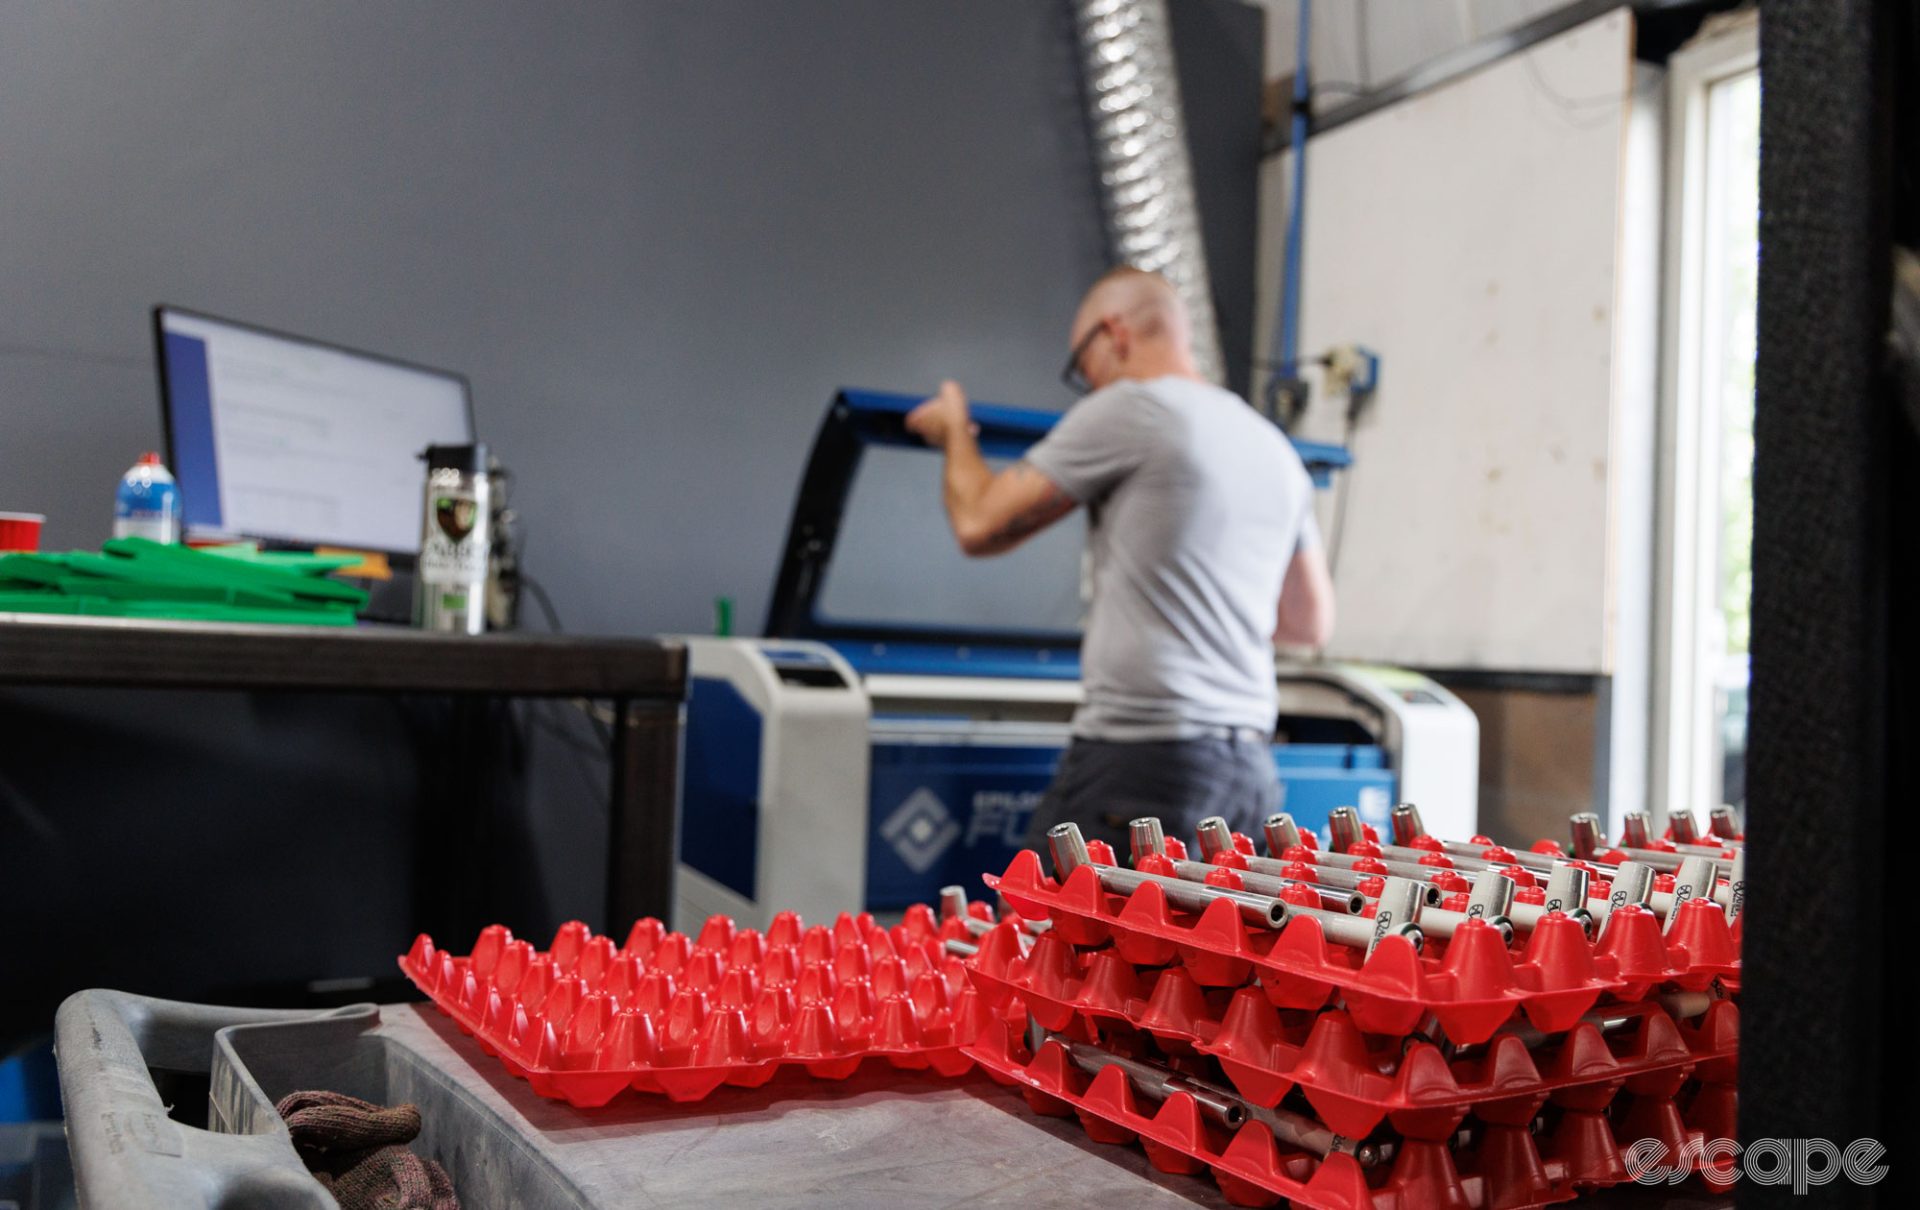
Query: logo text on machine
[(1003, 815)]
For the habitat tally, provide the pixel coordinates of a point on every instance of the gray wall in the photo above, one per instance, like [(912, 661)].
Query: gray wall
[(656, 236)]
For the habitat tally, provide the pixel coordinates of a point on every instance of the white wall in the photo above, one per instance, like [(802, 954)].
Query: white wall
[(1471, 235)]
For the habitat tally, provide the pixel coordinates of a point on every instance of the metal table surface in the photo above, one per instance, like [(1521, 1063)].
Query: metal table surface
[(885, 1138)]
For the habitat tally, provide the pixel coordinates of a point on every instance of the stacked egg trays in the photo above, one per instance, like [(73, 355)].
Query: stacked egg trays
[(1479, 1067), (679, 1015)]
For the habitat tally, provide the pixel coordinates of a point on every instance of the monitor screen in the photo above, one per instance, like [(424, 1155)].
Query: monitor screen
[(288, 440)]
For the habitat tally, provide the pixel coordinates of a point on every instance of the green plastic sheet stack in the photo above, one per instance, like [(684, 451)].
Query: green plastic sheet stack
[(139, 578)]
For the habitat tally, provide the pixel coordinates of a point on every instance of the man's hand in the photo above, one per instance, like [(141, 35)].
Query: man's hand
[(937, 421)]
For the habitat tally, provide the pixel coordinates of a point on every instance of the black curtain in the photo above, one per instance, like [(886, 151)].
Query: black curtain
[(1831, 764)]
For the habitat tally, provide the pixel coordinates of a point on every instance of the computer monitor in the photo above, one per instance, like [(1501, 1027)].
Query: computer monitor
[(296, 442)]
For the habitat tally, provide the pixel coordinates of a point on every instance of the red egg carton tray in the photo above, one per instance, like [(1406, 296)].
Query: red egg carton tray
[(1724, 965), (1713, 959), (1473, 984), (1507, 1166), (1353, 1082), (680, 1015)]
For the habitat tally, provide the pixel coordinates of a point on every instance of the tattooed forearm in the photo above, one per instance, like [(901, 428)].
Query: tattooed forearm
[(1010, 508), (1052, 505)]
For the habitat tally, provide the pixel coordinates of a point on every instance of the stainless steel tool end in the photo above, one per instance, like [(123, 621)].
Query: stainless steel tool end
[(1632, 884), (1394, 913), (1566, 889), (1685, 828), (1491, 897), (1343, 827), (1215, 836), (1407, 826), (1068, 847), (1587, 838), (1281, 834), (953, 902), (1146, 837), (1725, 823), (1636, 829)]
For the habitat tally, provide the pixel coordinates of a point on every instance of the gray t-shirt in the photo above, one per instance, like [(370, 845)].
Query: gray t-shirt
[(1196, 504)]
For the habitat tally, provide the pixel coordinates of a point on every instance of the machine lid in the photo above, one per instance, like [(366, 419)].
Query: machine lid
[(870, 560), (871, 565)]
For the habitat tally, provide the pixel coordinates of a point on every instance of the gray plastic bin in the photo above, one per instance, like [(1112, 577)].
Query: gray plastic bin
[(128, 1151)]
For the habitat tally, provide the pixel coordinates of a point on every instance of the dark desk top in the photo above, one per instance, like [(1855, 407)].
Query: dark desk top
[(50, 649)]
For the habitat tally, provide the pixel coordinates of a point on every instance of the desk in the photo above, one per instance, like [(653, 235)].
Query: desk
[(644, 680)]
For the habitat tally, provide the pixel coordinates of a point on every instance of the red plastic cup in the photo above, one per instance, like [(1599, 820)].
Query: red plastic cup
[(20, 531)]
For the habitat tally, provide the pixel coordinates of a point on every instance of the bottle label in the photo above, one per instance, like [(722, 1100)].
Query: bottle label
[(157, 526), (453, 552)]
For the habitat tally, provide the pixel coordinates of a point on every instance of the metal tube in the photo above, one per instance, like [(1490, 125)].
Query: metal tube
[(1566, 889), (1394, 913), (1263, 910), (1068, 847), (1669, 863), (1588, 840), (1682, 1006), (1407, 825), (1343, 829), (1345, 879), (961, 948), (1332, 899), (1070, 853), (1683, 825), (1491, 897), (1440, 922), (1632, 884), (1695, 878), (1725, 823), (1467, 856), (1215, 836), (1281, 834), (1566, 892), (1158, 1082), (1521, 917), (1146, 838), (953, 902), (1219, 1104), (1298, 1130), (1491, 900), (1636, 828)]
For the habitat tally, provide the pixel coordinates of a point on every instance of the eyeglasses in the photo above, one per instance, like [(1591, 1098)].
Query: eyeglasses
[(1075, 380)]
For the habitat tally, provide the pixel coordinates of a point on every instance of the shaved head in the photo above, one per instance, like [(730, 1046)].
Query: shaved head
[(1145, 300), (1145, 329)]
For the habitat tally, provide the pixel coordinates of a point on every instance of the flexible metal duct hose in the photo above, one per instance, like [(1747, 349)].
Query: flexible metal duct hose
[(1140, 145)]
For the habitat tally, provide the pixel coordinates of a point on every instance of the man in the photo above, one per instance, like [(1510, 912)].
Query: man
[(1204, 554)]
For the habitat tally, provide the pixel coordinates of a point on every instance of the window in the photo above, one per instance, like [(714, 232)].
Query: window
[(1706, 448)]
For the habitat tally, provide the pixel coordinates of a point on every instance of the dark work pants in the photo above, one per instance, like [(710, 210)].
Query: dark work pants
[(1102, 784)]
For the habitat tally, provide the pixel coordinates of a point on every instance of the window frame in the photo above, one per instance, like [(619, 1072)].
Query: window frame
[(1684, 765)]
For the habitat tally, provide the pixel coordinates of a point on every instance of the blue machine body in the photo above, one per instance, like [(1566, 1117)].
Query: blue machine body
[(948, 798)]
